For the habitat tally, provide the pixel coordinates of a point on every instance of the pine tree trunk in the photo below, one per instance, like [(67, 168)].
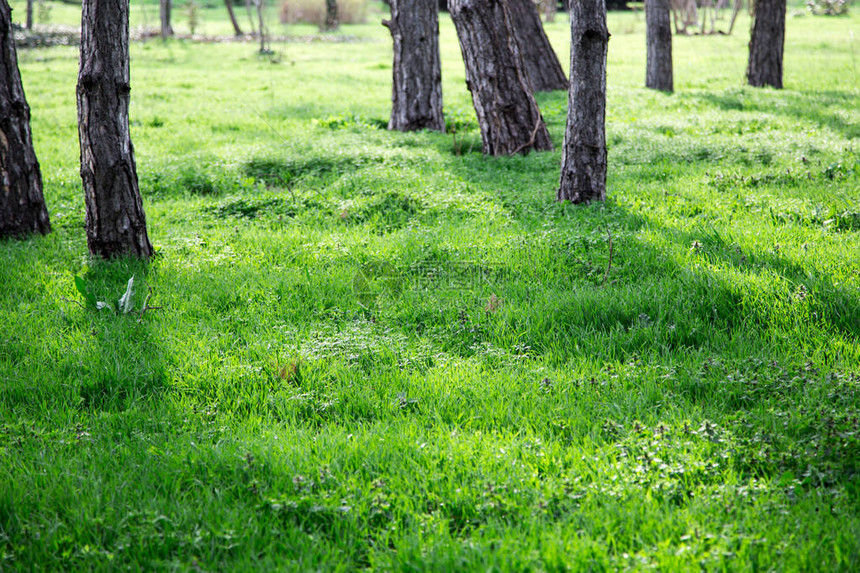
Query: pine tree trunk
[(508, 114), (542, 65), (331, 18), (236, 29), (165, 7), (549, 9), (115, 221), (417, 93), (766, 44), (583, 160), (22, 205), (659, 39)]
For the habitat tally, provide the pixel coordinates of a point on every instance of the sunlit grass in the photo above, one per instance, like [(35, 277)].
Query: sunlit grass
[(384, 350)]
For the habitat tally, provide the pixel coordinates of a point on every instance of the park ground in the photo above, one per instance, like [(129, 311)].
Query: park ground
[(385, 351)]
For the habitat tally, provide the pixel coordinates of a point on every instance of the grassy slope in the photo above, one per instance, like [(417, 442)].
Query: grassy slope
[(305, 401)]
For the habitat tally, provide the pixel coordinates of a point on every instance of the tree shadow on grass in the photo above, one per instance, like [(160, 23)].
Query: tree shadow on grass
[(819, 107)]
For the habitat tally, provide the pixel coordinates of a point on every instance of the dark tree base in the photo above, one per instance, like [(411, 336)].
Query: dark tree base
[(766, 44), (417, 74), (508, 114), (22, 204), (116, 223), (659, 40), (583, 160)]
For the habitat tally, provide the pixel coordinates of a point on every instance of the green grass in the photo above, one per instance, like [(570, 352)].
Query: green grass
[(310, 398)]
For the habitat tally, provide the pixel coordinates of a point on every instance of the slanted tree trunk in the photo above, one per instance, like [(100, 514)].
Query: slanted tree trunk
[(331, 18), (22, 205), (236, 29), (417, 93), (115, 221), (165, 7), (248, 4), (508, 114), (766, 44), (542, 65), (659, 39), (583, 160)]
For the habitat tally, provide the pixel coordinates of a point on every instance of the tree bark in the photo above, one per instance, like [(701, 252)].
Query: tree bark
[(508, 114), (417, 93), (165, 7), (542, 65), (236, 29), (659, 38), (583, 161), (22, 204), (766, 44), (331, 18), (115, 221)]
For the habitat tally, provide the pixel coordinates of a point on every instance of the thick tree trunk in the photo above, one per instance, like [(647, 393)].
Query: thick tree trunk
[(416, 100), (22, 205), (659, 39), (583, 161), (508, 114), (331, 18), (542, 65), (766, 44), (165, 7), (116, 224), (236, 29)]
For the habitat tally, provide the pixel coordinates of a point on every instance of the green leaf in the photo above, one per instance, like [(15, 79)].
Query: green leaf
[(125, 304), (89, 299)]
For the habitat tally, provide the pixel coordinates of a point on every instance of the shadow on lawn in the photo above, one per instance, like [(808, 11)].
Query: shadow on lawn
[(819, 107)]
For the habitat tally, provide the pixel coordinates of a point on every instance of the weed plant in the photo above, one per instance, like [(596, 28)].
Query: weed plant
[(385, 351)]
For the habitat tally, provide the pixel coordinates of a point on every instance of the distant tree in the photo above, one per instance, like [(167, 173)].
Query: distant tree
[(417, 92), (659, 39), (331, 18), (766, 44), (115, 221), (508, 115), (583, 160), (28, 24), (22, 204), (236, 29), (165, 8), (542, 65)]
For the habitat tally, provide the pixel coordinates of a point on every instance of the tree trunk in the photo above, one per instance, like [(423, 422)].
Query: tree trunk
[(659, 38), (550, 7), (236, 29), (22, 205), (583, 161), (28, 24), (116, 224), (417, 93), (542, 65), (508, 114), (766, 44), (165, 7), (251, 17), (331, 18), (264, 40)]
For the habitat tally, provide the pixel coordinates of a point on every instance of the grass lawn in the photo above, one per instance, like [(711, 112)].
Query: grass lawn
[(385, 351)]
